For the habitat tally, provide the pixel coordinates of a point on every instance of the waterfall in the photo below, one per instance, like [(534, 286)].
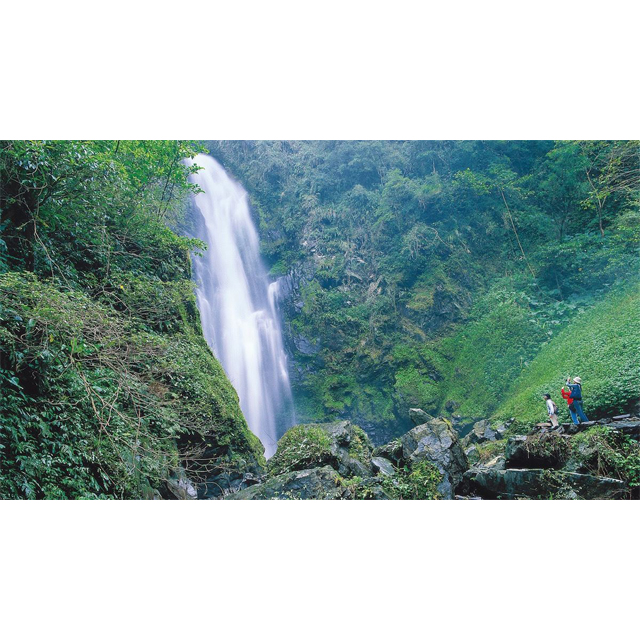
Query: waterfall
[(238, 304)]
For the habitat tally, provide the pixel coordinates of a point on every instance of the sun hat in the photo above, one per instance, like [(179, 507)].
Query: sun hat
[(578, 379)]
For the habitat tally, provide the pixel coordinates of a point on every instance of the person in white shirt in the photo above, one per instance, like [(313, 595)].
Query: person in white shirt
[(552, 410)]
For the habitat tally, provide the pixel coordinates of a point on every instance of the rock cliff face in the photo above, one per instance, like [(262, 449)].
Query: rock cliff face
[(437, 442)]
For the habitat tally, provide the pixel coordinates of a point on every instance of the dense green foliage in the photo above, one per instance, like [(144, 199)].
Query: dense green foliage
[(419, 482), (609, 453), (434, 273), (108, 388), (602, 345)]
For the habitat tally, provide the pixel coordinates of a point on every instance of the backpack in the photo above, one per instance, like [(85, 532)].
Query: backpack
[(555, 407), (576, 392)]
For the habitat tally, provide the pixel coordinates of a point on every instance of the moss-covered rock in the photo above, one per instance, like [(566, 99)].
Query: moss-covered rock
[(342, 445), (538, 451), (322, 483)]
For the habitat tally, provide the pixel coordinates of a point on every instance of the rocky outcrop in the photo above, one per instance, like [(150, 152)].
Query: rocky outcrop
[(483, 431), (630, 427), (437, 442), (341, 445), (322, 483), (551, 464), (541, 483), (335, 460), (541, 451), (351, 449)]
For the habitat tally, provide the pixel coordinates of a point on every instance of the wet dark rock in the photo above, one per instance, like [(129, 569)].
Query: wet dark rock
[(304, 345), (540, 483), (628, 427), (229, 477)]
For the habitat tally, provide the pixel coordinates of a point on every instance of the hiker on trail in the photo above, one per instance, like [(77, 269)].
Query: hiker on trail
[(552, 410), (572, 412), (574, 399)]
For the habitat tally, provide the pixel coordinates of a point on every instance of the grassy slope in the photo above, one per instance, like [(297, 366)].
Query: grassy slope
[(602, 346)]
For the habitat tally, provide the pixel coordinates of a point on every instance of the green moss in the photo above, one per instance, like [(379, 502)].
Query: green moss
[(301, 447)]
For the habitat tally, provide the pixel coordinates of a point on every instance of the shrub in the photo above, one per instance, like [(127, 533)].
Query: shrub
[(419, 482)]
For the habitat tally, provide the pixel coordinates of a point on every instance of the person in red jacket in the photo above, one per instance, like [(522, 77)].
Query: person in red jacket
[(572, 412)]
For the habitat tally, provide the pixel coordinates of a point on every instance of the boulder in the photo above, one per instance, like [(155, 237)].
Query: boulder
[(501, 428), (483, 431), (577, 428), (382, 466), (437, 442), (322, 483), (462, 424), (539, 483), (472, 454), (342, 445), (418, 416)]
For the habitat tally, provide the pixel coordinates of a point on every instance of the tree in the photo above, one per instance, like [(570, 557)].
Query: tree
[(563, 186)]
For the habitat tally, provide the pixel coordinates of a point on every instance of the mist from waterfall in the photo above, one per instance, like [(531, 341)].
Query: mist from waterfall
[(238, 304)]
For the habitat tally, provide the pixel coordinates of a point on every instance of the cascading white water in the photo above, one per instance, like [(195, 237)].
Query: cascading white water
[(238, 304)]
